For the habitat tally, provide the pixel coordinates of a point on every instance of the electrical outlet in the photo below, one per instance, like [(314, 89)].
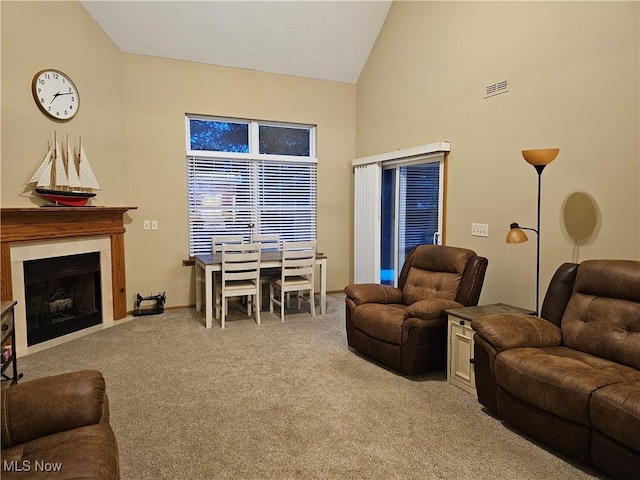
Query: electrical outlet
[(479, 230), (154, 224), (146, 224)]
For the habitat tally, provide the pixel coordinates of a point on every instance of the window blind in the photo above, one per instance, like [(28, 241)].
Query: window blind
[(226, 196)]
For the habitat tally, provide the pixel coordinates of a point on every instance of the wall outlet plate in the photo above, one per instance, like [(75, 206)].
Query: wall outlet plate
[(479, 230)]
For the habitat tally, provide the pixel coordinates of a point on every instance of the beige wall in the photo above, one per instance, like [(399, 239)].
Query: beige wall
[(38, 35), (158, 94), (131, 120), (574, 76)]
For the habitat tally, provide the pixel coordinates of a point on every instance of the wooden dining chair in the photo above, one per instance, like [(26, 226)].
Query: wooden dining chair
[(218, 240), (297, 275), (269, 242), (240, 276)]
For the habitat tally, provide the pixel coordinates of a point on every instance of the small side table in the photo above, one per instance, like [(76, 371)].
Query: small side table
[(460, 370)]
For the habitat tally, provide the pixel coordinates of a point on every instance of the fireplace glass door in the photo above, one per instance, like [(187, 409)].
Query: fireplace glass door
[(62, 295)]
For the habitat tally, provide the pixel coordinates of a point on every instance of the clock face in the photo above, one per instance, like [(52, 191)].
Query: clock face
[(55, 94)]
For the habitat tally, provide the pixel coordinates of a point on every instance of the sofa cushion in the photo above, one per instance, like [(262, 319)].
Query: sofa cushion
[(603, 314), (615, 411), (380, 321), (87, 452), (558, 380)]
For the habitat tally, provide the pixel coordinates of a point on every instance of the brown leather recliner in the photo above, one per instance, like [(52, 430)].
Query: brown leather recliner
[(405, 328), (571, 377), (58, 427)]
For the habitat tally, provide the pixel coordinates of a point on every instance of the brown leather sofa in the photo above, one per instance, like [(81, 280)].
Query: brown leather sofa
[(58, 428), (571, 377), (405, 328)]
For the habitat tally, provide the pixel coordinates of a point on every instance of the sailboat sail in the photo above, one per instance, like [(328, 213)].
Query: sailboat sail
[(87, 177), (45, 178), (42, 175), (72, 169), (61, 173)]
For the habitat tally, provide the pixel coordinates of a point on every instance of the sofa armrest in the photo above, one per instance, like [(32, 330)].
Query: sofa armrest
[(505, 331), (373, 293), (430, 308), (52, 404)]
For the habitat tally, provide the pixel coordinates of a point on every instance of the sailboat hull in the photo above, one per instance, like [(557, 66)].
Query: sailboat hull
[(66, 198)]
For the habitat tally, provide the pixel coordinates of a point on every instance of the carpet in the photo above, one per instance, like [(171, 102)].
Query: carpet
[(285, 400)]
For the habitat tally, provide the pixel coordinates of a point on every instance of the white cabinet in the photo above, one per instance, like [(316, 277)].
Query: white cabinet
[(460, 354), (460, 370)]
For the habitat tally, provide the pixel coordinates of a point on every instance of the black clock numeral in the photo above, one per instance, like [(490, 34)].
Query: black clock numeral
[(55, 75), (65, 112), (42, 100), (41, 81), (49, 108), (73, 99), (70, 90), (71, 106)]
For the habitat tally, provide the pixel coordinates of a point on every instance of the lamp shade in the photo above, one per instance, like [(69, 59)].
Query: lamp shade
[(541, 156), (516, 235)]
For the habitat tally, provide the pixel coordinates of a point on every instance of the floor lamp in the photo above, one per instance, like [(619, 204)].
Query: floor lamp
[(539, 159)]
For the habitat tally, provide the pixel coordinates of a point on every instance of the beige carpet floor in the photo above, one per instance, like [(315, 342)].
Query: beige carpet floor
[(286, 401)]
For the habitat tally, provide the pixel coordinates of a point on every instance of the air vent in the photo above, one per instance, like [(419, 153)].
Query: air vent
[(496, 87)]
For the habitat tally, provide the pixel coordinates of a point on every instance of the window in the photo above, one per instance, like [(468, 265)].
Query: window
[(248, 177)]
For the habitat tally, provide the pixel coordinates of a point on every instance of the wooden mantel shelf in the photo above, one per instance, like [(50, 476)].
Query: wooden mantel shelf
[(24, 224), (46, 223)]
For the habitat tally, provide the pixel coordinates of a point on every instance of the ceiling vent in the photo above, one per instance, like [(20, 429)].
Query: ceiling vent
[(497, 87)]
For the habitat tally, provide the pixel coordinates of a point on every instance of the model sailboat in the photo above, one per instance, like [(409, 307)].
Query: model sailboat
[(64, 178)]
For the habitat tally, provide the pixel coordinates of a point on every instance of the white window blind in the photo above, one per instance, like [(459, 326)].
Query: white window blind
[(287, 199), (225, 196), (367, 223)]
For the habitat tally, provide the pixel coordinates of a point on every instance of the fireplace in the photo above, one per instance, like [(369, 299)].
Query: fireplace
[(62, 295), (50, 234)]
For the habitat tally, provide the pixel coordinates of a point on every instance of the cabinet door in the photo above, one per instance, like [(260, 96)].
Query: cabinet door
[(461, 367)]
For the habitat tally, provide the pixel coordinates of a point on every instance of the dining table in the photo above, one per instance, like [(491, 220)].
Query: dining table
[(207, 264)]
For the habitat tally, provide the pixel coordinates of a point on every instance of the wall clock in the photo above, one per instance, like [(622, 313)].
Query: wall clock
[(55, 94)]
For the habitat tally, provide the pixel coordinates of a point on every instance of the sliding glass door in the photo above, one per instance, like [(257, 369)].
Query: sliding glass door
[(411, 211)]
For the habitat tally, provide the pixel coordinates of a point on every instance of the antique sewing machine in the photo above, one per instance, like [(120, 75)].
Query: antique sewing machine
[(156, 307)]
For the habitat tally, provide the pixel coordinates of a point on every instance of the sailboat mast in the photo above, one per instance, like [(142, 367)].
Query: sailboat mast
[(54, 161)]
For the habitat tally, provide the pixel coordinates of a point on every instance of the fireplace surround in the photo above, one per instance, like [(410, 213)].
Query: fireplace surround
[(49, 232)]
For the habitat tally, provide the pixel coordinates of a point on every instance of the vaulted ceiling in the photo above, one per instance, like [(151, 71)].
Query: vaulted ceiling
[(327, 40)]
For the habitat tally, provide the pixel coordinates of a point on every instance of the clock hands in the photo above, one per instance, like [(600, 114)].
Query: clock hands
[(58, 94)]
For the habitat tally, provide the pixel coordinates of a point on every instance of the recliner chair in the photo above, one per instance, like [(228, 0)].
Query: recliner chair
[(405, 328)]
